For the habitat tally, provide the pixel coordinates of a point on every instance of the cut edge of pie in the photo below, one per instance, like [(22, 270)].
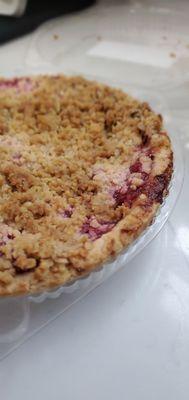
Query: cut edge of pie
[(84, 169)]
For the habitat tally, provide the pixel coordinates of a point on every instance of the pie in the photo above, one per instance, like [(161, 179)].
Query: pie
[(84, 168)]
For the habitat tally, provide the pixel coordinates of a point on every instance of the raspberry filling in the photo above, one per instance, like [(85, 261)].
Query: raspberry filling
[(155, 188), (95, 229), (20, 84), (152, 187), (9, 84), (127, 194), (67, 213), (127, 198), (134, 182), (5, 236), (136, 167)]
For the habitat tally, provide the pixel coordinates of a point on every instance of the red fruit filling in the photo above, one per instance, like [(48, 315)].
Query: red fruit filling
[(155, 187), (136, 167), (5, 237), (127, 197), (9, 84), (68, 213), (17, 83)]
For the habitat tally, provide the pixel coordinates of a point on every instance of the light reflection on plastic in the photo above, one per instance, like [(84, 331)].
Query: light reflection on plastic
[(131, 52), (176, 298), (183, 236), (181, 286)]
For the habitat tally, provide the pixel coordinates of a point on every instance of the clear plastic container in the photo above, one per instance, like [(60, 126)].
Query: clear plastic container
[(135, 57)]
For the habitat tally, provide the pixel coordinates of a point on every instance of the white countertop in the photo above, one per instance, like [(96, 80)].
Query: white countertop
[(129, 338)]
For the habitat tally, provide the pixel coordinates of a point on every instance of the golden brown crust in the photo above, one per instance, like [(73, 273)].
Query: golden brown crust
[(84, 168)]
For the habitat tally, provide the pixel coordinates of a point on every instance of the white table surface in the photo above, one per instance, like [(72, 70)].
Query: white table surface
[(129, 338)]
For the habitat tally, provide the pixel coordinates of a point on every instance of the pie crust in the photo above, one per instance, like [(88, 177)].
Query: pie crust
[(84, 168)]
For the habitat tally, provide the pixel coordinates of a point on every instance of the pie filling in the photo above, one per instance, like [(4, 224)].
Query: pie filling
[(19, 84)]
